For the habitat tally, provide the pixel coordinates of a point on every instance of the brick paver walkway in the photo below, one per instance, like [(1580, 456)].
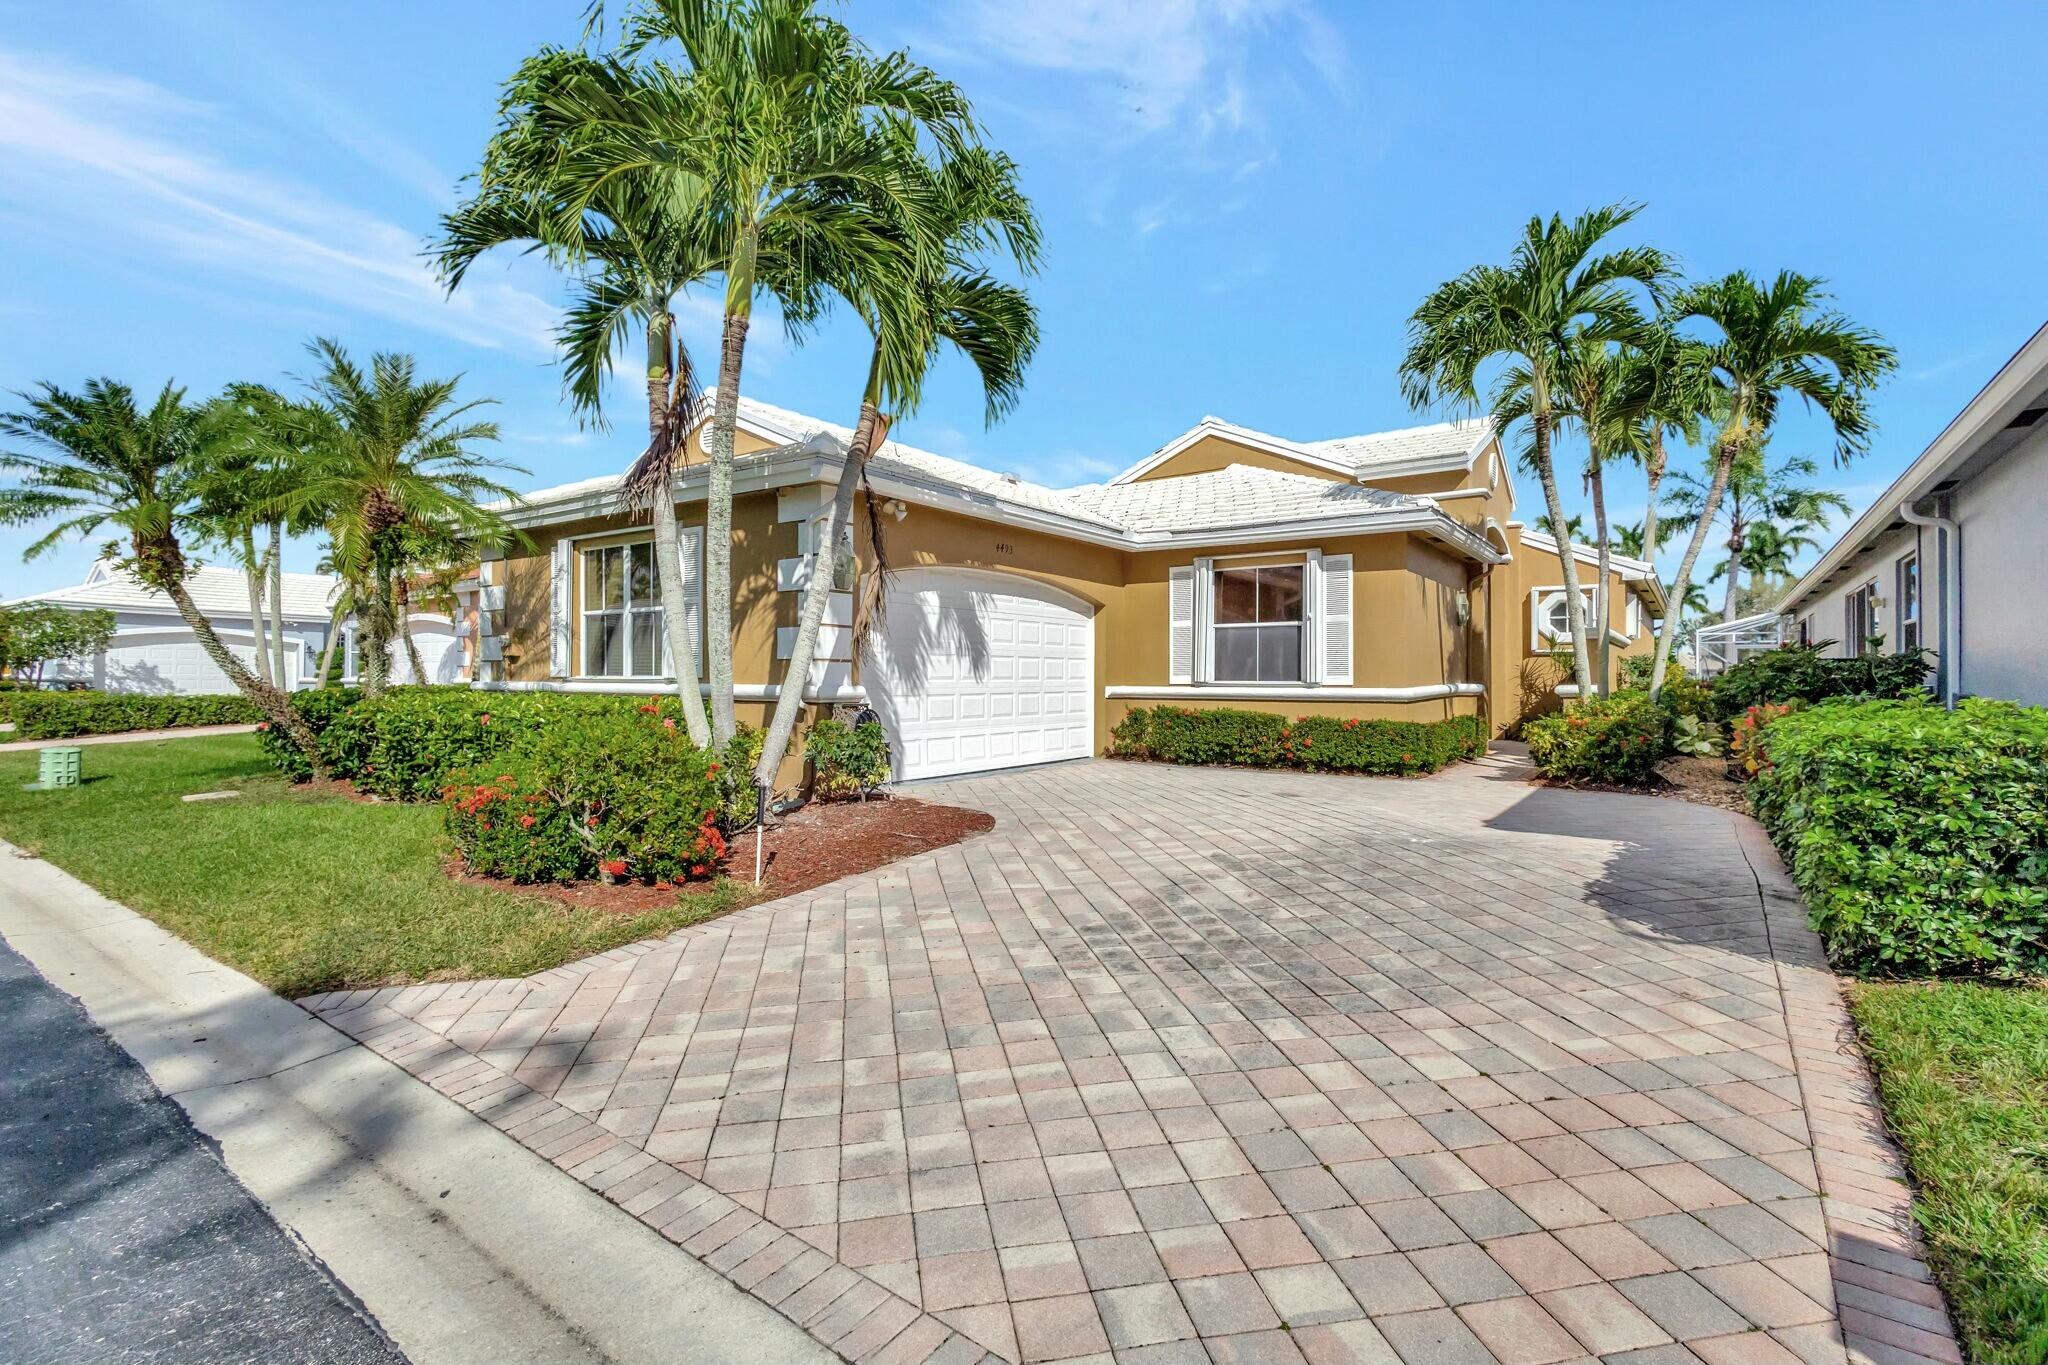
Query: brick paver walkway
[(1200, 1065)]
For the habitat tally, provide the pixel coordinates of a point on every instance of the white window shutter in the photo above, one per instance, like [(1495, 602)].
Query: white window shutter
[(690, 550), (1180, 624), (1335, 585), (561, 610)]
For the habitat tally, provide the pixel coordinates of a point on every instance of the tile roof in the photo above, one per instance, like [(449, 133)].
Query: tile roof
[(1239, 495), (215, 591), (1438, 441)]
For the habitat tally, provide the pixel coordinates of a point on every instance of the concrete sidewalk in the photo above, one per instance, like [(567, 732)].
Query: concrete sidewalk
[(16, 746), (460, 1243)]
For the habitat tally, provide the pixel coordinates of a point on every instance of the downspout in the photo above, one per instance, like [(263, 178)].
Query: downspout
[(1948, 548)]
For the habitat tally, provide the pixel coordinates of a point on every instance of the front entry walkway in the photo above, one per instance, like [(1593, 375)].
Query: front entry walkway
[(1195, 1064)]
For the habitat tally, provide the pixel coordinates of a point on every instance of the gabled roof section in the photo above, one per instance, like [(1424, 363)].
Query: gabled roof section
[(215, 591), (1240, 495), (1383, 454)]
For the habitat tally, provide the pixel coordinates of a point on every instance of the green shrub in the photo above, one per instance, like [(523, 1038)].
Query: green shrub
[(320, 708), (1255, 739), (1615, 739), (1802, 673), (1694, 737), (1919, 836), (737, 797), (607, 792), (65, 715), (847, 760)]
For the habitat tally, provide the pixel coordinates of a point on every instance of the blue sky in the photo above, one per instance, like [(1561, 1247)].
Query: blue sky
[(1242, 200)]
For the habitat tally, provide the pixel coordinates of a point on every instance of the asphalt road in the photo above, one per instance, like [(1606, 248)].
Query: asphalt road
[(122, 1237)]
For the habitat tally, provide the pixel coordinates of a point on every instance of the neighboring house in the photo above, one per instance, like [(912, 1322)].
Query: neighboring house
[(1952, 556), (154, 651), (1380, 575)]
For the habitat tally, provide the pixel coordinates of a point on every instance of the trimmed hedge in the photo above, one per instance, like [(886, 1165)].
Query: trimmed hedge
[(1257, 739), (1802, 673), (1919, 836), (1618, 739), (66, 715)]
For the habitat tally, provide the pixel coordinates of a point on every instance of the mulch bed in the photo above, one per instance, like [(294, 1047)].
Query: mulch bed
[(813, 845), (1702, 781)]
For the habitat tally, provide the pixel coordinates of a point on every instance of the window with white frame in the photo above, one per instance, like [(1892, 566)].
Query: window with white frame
[(622, 620), (1859, 620), (1257, 623), (1909, 603), (1551, 620)]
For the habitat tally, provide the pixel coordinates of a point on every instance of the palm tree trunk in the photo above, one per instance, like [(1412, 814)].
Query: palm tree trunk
[(718, 528), (252, 571), (375, 636), (1574, 605), (402, 593), (668, 564), (1603, 611), (333, 643), (278, 670), (275, 705), (1734, 579), (796, 677), (1710, 506), (1653, 471)]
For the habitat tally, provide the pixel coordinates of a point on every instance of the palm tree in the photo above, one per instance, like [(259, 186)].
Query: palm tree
[(1768, 553), (1598, 397), (1554, 294), (1776, 339), (96, 459), (633, 259), (1756, 496), (1664, 382), (764, 139), (1574, 527), (1628, 538), (393, 455), (926, 299)]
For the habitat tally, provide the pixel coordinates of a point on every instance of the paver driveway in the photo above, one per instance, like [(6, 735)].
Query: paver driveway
[(1183, 1065)]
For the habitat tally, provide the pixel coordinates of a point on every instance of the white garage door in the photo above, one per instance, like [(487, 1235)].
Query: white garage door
[(971, 671), (172, 661)]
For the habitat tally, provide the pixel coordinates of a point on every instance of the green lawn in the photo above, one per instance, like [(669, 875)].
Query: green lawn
[(1964, 1073), (305, 893)]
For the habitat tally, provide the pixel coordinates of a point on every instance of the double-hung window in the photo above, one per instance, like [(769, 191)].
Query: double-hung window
[(1909, 603), (622, 622), (1257, 623), (1859, 621)]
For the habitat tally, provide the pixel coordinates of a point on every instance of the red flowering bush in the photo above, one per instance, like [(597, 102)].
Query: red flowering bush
[(1618, 739), (611, 793), (1744, 732)]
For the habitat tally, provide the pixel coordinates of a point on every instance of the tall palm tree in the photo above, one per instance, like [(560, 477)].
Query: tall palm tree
[(632, 259), (1776, 340), (1600, 400), (924, 300), (1664, 379), (1559, 290), (1628, 538), (96, 459), (1768, 553), (759, 127), (393, 454), (1756, 496)]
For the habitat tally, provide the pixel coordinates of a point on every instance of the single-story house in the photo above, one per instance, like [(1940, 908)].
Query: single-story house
[(1951, 557), (154, 651), (1374, 575)]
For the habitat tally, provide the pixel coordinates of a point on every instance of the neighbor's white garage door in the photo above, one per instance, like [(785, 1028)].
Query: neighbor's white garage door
[(172, 661), (971, 671)]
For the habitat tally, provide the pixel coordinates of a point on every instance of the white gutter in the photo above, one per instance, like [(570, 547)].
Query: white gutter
[(1948, 548)]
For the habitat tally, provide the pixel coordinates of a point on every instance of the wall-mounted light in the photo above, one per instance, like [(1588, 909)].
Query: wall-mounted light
[(1464, 608), (896, 508)]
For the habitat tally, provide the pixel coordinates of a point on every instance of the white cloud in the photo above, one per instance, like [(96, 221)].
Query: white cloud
[(130, 160), (1161, 65)]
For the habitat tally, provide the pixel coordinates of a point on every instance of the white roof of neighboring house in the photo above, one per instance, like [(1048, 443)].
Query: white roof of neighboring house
[(1120, 512), (215, 591)]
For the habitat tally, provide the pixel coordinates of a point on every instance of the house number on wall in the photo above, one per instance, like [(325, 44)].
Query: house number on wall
[(1004, 547)]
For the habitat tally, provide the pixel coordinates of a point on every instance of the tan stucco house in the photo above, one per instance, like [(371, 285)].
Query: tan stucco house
[(1376, 575)]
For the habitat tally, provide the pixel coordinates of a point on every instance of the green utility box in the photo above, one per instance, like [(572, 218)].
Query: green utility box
[(59, 768)]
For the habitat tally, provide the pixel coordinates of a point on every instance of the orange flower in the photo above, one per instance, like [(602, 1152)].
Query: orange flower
[(613, 867), (526, 822)]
